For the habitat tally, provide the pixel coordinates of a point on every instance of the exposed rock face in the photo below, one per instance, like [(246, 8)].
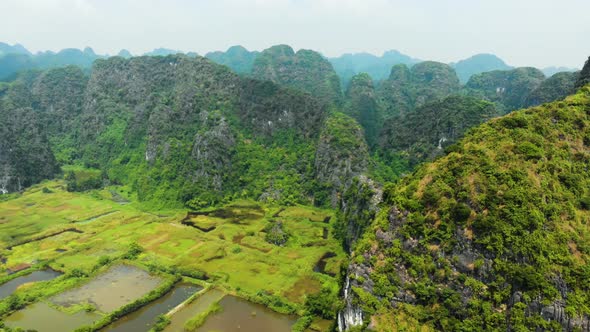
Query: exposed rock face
[(342, 154), (305, 70), (351, 315), (212, 152), (358, 207), (25, 156)]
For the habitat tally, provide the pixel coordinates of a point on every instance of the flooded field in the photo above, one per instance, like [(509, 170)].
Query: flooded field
[(323, 262), (199, 305), (43, 275), (41, 317), (144, 318), (239, 315), (118, 286)]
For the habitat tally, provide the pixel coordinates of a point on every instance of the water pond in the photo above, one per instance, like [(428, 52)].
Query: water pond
[(42, 275), (144, 318), (239, 315), (43, 318), (120, 285), (200, 304), (323, 262)]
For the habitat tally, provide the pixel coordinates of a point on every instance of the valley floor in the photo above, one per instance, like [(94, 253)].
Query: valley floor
[(86, 236)]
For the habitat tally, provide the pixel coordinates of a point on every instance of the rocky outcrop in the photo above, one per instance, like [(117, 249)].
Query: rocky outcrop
[(342, 154), (305, 70), (212, 152), (351, 315), (358, 206)]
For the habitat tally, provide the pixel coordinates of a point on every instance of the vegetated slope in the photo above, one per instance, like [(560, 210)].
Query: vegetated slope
[(342, 154), (509, 89), (362, 104), (182, 130), (584, 77), (236, 57), (492, 236), (305, 70), (348, 65), (25, 155), (406, 88), (424, 133), (477, 64), (550, 71), (553, 88)]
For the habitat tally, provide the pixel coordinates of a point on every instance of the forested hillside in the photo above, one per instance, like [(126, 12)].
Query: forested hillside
[(426, 132), (408, 88), (305, 70), (477, 64), (181, 130), (492, 236)]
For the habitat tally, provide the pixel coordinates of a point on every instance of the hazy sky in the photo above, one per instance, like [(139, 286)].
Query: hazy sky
[(522, 32)]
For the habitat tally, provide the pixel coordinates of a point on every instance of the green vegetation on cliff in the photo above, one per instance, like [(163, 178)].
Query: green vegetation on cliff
[(406, 89), (305, 70), (362, 104), (493, 236), (509, 89), (25, 155), (584, 77), (184, 131), (424, 133)]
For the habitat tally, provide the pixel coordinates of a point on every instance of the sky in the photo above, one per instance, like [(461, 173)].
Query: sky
[(537, 33)]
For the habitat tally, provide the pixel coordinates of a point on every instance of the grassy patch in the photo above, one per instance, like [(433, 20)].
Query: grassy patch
[(233, 256)]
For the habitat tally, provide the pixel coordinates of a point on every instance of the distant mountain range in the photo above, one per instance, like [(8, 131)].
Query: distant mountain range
[(14, 58)]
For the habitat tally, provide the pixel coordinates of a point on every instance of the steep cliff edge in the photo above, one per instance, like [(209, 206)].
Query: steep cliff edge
[(342, 154)]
